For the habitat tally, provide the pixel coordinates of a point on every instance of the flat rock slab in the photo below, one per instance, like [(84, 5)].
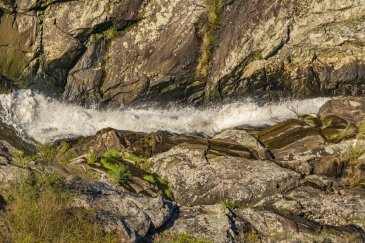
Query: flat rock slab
[(196, 180)]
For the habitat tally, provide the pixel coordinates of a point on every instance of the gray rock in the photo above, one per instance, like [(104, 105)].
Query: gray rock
[(212, 223), (326, 208), (196, 180), (133, 214)]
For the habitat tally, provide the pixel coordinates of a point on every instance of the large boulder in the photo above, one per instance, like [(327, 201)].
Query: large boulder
[(197, 180)]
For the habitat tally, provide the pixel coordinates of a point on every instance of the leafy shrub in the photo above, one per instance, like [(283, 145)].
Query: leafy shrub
[(40, 210)]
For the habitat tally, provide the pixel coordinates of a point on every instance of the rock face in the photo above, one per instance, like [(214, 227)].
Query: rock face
[(118, 52)]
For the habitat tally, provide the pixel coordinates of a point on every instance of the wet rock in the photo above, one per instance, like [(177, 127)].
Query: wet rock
[(351, 109), (211, 223), (140, 144), (288, 132), (243, 181)]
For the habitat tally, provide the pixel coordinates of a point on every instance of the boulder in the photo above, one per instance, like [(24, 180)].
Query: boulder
[(351, 109), (239, 143), (198, 180), (206, 222), (272, 227), (326, 208)]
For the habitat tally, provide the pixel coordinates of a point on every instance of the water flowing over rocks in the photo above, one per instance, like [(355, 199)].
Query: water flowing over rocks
[(283, 183)]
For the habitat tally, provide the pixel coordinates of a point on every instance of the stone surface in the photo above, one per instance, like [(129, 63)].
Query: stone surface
[(211, 223), (134, 215), (299, 47), (196, 180)]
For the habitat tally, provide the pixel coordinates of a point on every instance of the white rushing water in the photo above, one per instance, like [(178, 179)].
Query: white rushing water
[(45, 119)]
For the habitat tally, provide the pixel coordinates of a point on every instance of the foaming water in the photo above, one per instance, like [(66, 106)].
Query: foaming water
[(46, 120)]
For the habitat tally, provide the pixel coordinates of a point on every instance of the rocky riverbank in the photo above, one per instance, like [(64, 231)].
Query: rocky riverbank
[(301, 180)]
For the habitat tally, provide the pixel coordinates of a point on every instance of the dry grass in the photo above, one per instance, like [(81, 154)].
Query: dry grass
[(39, 210)]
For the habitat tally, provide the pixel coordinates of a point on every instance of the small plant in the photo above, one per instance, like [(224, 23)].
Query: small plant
[(259, 56), (229, 204), (353, 153), (112, 154), (252, 237), (206, 53), (19, 159), (92, 158), (45, 154), (118, 173), (150, 179), (111, 33), (361, 132)]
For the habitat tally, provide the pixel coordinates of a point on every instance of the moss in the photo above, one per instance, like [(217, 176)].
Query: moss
[(108, 34)]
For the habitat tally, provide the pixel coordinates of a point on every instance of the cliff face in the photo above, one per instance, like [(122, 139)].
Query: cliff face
[(121, 51)]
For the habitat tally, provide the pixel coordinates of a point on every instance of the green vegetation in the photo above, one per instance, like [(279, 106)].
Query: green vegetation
[(229, 204), (91, 158), (112, 154), (259, 56), (118, 173), (252, 237), (361, 132), (108, 34), (328, 233), (40, 210), (142, 163), (179, 238), (353, 153), (150, 179), (214, 8)]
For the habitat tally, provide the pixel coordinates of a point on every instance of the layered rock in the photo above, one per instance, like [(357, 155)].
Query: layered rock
[(112, 52)]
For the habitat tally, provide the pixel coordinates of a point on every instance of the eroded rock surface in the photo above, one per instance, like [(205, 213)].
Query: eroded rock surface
[(117, 52)]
